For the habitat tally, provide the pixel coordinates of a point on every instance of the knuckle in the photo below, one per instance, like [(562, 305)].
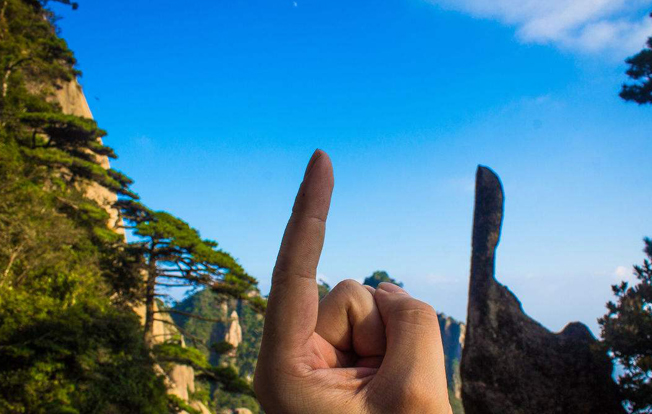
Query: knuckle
[(347, 286), (348, 283), (415, 311)]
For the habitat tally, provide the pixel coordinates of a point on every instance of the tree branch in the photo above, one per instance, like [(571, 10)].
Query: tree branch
[(183, 332), (190, 315)]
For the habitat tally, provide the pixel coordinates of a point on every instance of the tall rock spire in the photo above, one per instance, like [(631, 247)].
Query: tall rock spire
[(511, 364)]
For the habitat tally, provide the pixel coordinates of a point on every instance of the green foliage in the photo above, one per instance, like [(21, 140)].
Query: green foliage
[(47, 246), (83, 359), (175, 255), (627, 334), (30, 50), (226, 377), (67, 344), (640, 71), (251, 323), (201, 394), (208, 337), (34, 63), (200, 332), (456, 403), (65, 277), (177, 405), (176, 237), (221, 348), (379, 277), (222, 399), (173, 351)]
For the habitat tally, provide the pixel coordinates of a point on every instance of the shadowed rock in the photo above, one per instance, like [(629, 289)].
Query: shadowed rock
[(512, 364)]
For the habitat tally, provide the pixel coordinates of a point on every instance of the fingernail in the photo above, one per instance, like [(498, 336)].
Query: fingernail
[(391, 288), (313, 160)]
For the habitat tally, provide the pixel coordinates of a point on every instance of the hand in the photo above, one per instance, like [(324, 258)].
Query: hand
[(359, 350)]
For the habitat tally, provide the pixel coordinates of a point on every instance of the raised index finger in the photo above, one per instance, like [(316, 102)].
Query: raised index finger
[(293, 301)]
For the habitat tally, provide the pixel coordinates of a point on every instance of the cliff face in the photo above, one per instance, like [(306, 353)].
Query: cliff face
[(511, 364), (181, 379), (73, 102), (240, 326), (452, 335), (233, 334)]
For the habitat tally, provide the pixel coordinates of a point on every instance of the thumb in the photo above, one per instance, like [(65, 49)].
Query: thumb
[(414, 352)]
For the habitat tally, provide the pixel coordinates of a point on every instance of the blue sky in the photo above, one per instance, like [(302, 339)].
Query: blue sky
[(215, 107)]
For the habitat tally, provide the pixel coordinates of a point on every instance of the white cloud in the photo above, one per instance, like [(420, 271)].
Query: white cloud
[(624, 273), (619, 26)]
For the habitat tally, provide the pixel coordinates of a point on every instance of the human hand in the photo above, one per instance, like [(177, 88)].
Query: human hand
[(359, 350)]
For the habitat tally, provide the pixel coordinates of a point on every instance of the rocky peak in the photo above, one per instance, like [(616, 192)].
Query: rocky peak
[(233, 333), (452, 335), (511, 364)]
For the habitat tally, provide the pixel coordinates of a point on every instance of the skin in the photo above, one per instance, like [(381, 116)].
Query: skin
[(359, 350)]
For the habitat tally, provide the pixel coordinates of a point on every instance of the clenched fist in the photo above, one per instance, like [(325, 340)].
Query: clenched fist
[(359, 350)]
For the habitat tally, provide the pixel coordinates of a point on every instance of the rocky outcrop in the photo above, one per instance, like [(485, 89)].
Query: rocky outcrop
[(180, 379), (72, 101), (233, 334), (452, 336), (511, 364), (236, 411)]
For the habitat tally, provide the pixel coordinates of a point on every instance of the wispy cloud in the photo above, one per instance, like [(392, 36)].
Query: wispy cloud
[(619, 26), (624, 273)]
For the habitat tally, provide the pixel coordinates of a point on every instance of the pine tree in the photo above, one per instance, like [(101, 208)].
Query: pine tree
[(176, 256), (640, 70), (378, 277), (61, 266), (627, 334)]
